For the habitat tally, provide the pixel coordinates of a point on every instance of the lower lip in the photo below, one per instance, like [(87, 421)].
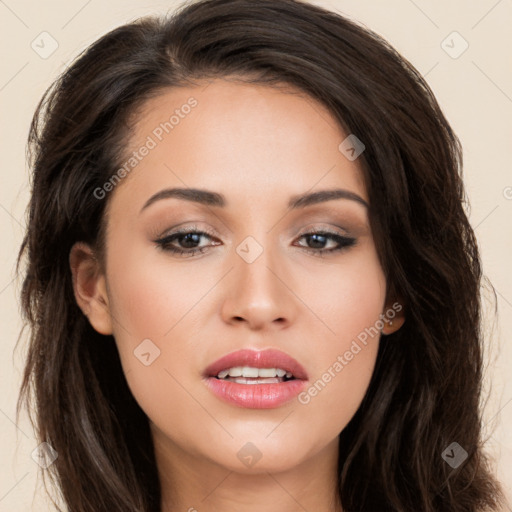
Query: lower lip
[(256, 396)]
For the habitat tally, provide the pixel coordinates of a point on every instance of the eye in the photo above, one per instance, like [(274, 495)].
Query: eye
[(318, 238), (190, 237)]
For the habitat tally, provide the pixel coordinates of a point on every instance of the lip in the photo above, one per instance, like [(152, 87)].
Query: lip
[(269, 358), (256, 396)]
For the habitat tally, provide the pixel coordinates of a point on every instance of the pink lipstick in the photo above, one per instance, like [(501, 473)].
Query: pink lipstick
[(253, 379)]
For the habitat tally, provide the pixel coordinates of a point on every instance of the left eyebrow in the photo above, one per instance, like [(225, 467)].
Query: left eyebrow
[(209, 198), (188, 194)]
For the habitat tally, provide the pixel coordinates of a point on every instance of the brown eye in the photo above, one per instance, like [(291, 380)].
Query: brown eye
[(316, 241), (183, 242)]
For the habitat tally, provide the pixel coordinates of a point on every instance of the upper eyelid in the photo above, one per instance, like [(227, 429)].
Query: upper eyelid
[(189, 229), (206, 231)]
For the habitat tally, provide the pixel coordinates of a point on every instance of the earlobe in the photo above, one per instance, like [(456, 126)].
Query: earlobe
[(391, 326), (89, 287), (394, 316)]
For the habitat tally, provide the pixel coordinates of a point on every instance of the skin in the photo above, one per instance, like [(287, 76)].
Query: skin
[(258, 146)]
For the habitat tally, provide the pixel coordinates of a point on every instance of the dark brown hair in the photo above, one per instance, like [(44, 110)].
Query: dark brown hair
[(426, 387)]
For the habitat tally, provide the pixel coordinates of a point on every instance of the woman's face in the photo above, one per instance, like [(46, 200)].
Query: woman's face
[(261, 281)]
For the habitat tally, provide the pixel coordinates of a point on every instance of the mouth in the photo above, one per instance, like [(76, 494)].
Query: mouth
[(256, 379)]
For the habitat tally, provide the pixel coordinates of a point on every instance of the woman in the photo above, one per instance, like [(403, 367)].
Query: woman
[(251, 281)]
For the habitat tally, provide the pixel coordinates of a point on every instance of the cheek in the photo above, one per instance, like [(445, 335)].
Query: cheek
[(152, 301), (347, 297), (351, 304), (151, 293)]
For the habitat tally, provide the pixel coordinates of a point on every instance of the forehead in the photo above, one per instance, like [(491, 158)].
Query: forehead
[(248, 141)]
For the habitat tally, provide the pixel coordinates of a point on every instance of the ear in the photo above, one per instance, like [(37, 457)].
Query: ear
[(394, 315), (89, 287)]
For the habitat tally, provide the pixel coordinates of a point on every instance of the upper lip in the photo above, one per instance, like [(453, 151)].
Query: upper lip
[(268, 358)]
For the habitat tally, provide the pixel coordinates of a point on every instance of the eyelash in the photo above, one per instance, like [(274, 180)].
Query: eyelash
[(164, 243)]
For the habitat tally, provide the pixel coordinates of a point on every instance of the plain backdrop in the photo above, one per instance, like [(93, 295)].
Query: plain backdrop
[(463, 49)]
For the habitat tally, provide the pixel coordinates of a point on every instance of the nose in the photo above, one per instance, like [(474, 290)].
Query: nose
[(259, 294)]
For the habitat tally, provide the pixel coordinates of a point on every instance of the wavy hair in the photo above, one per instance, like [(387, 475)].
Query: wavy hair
[(426, 388)]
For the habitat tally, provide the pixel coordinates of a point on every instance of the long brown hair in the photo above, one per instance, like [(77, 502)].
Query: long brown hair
[(426, 387)]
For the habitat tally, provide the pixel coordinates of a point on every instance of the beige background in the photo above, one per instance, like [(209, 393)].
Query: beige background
[(475, 93)]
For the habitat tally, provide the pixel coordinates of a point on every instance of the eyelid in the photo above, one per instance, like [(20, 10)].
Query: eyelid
[(186, 228), (323, 228), (310, 229)]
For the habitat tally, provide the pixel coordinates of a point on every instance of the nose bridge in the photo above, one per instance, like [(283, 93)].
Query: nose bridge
[(258, 293), (255, 259)]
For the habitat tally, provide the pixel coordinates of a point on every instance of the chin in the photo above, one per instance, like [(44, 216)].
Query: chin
[(260, 455)]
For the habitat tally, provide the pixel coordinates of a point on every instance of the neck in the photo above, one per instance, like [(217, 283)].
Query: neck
[(195, 484)]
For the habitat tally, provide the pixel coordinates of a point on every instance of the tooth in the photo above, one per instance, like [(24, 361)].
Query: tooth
[(236, 371), (267, 372), (253, 373), (243, 380), (248, 371)]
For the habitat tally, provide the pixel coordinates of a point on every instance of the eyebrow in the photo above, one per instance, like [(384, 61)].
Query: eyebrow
[(209, 198)]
